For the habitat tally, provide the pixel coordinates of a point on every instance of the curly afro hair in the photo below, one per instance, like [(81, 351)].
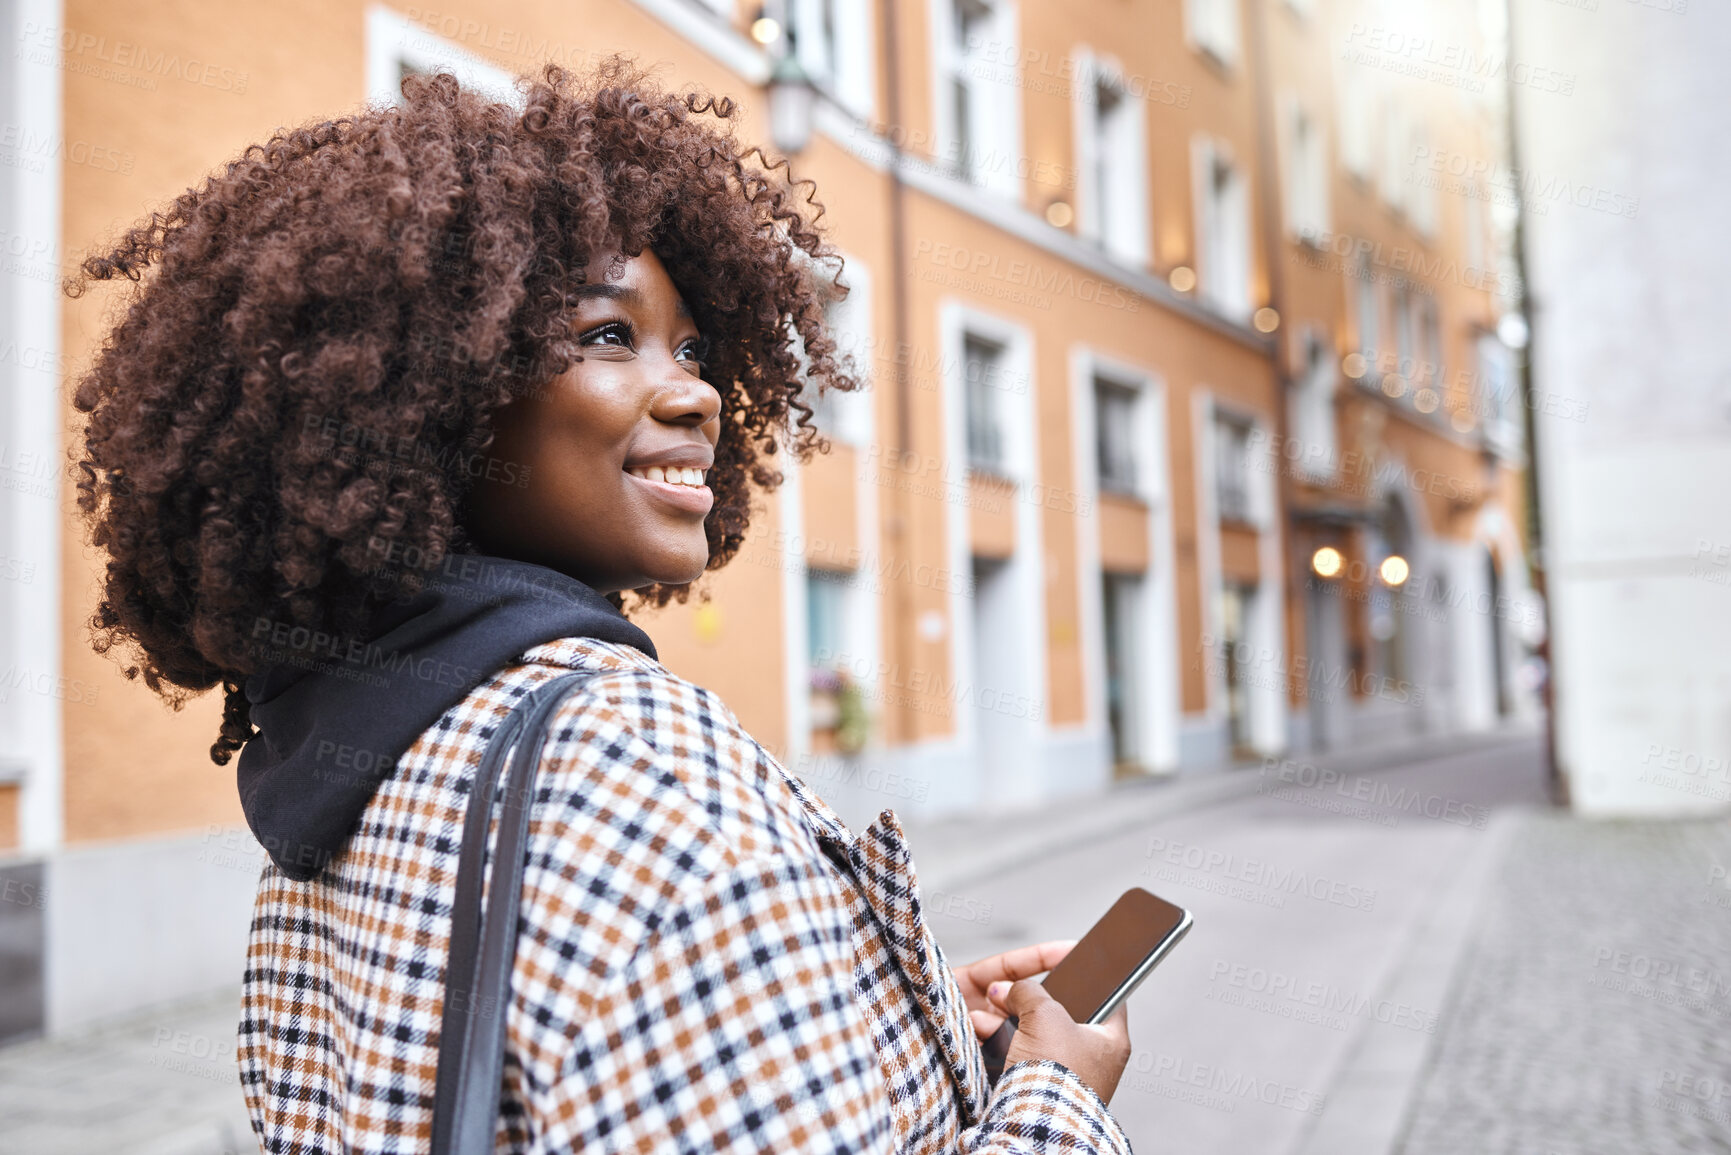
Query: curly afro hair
[(404, 272)]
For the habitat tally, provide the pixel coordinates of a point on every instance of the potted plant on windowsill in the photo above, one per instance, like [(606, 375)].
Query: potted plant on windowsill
[(838, 710)]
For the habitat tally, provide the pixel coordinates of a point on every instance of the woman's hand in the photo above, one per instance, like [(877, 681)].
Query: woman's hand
[(1097, 1054), (1022, 963), (1003, 985)]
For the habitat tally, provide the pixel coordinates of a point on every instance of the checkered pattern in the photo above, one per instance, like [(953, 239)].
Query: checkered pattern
[(708, 959)]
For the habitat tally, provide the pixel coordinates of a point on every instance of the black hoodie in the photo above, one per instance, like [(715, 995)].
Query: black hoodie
[(360, 704)]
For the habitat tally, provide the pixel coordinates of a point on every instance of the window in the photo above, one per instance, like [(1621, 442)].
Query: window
[(825, 618), (1475, 229), (978, 107), (1421, 183), (1357, 122), (1405, 339), (837, 716), (1396, 160), (1498, 400), (1111, 163), (1115, 435), (1430, 340), (1236, 607), (845, 417), (1369, 310), (1306, 175), (1232, 467), (832, 39), (1223, 232), (397, 48), (1212, 26), (1120, 595), (983, 375), (1313, 409)]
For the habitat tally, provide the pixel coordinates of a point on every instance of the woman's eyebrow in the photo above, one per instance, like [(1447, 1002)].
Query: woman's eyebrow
[(610, 292)]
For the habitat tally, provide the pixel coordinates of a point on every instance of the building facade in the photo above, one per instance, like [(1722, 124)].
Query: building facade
[(1625, 248), (1189, 436)]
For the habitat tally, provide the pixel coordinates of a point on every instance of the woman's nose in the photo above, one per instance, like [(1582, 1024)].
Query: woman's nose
[(681, 399)]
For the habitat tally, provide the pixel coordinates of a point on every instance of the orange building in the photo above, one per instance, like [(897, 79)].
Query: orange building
[(1156, 299)]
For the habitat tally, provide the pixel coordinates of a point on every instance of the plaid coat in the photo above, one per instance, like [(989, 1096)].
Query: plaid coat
[(708, 959)]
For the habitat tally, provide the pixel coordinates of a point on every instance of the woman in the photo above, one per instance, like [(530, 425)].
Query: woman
[(406, 404)]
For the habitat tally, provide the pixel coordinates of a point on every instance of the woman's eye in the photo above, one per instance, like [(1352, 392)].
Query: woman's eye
[(692, 352), (612, 333)]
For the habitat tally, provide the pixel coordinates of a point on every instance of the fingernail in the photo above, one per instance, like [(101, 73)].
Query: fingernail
[(996, 990)]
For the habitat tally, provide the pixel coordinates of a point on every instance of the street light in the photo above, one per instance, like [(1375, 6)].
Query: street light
[(791, 99), (1394, 571), (1326, 562)]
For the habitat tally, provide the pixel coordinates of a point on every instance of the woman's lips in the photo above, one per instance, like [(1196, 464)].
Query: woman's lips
[(688, 498)]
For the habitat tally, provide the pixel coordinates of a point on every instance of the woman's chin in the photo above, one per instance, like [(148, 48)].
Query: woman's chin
[(682, 571)]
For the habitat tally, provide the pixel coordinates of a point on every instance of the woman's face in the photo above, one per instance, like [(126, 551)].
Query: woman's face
[(614, 450)]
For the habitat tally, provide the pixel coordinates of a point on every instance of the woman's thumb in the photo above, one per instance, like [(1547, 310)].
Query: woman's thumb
[(1024, 996)]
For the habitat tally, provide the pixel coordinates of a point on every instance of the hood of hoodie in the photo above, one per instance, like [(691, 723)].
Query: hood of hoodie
[(335, 714)]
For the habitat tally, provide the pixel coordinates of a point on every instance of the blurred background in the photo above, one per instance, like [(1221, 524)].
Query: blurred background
[(1291, 479)]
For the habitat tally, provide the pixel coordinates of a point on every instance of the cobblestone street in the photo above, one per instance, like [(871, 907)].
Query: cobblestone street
[(1591, 1016)]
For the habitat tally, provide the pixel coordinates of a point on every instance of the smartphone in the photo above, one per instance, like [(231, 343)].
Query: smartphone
[(1106, 965)]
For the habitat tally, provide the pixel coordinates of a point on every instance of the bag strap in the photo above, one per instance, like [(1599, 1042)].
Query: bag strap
[(484, 946)]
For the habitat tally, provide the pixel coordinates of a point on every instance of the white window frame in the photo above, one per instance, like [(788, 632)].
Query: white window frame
[(1155, 681), (851, 327), (1305, 172), (845, 69), (1265, 627), (1357, 119), (1312, 400), (1396, 160), (1223, 258), (1496, 396), (1421, 191), (1368, 312), (1251, 512), (1428, 327), (1026, 776), (988, 69), (1214, 28), (1111, 161), (394, 43), (32, 420), (1404, 315), (1474, 226)]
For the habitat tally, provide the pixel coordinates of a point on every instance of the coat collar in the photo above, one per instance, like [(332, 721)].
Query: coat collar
[(881, 867)]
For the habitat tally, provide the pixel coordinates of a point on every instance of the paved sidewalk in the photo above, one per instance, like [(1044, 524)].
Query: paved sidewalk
[(1593, 1013), (162, 1083)]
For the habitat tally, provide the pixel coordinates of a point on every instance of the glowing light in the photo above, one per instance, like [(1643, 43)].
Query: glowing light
[(1266, 320), (1394, 571), (1059, 214), (765, 30), (1183, 278), (1425, 400), (1353, 365), (1394, 385), (1463, 421), (1327, 562)]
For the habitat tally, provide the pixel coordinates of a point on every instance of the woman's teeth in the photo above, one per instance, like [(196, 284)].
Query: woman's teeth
[(672, 475)]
